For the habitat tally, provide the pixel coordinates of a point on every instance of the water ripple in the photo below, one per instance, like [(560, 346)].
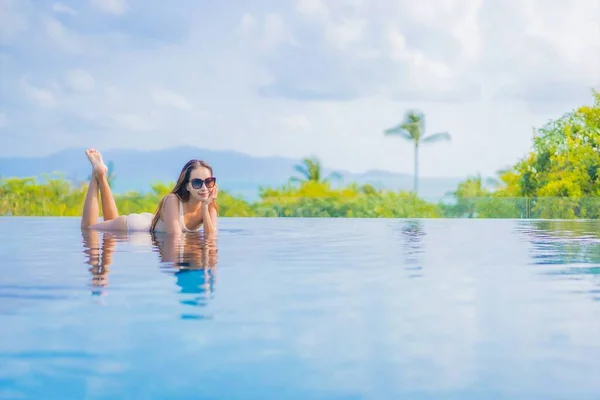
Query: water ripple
[(304, 308)]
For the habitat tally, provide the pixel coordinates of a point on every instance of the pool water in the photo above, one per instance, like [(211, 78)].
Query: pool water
[(302, 309)]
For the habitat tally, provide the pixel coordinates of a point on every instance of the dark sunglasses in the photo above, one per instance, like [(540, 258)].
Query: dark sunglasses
[(209, 182)]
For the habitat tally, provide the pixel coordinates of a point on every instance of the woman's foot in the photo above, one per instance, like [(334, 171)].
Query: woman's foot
[(99, 169)]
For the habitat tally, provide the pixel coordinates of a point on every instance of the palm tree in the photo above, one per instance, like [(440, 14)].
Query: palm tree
[(413, 128), (311, 170)]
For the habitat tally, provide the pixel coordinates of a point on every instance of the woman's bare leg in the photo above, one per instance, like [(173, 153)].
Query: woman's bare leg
[(99, 182), (90, 206), (109, 207)]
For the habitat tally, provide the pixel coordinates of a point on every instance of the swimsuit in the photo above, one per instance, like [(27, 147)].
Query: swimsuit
[(142, 222)]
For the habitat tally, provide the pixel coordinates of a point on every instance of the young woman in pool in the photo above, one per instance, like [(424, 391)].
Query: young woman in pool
[(191, 205)]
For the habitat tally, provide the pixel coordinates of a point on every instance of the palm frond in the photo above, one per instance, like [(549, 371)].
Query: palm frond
[(398, 130), (416, 118), (333, 175), (302, 170), (437, 137)]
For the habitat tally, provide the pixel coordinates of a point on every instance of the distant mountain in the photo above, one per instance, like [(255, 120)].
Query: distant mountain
[(237, 173)]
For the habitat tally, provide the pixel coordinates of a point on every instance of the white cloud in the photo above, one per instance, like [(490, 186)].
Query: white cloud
[(296, 123), (420, 67), (525, 49), (275, 30), (63, 37), (40, 96), (63, 9), (466, 30), (116, 7), (80, 80), (316, 8), (264, 33), (133, 122), (572, 31), (341, 31), (248, 23), (166, 98), (346, 32), (320, 77), (64, 40), (14, 19)]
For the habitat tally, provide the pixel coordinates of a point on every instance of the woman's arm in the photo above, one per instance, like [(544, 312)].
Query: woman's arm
[(209, 213), (170, 214), (209, 218)]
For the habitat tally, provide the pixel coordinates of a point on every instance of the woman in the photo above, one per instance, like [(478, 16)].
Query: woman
[(190, 206)]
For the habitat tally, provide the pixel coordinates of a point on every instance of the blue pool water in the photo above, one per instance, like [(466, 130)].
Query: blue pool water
[(302, 309)]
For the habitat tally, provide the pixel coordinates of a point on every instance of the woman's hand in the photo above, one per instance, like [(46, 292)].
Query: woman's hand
[(214, 192), (209, 214)]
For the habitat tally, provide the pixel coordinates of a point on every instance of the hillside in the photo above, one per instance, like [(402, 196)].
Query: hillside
[(237, 172)]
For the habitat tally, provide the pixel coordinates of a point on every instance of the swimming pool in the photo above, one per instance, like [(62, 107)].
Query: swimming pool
[(303, 309)]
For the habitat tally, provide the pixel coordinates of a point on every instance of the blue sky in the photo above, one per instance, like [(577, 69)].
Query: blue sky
[(295, 78)]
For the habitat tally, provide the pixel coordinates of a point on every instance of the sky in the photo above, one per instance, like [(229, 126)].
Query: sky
[(295, 78)]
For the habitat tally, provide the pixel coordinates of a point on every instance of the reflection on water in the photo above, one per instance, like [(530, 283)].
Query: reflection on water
[(303, 308), (563, 242), (413, 234), (566, 249), (99, 249), (191, 259)]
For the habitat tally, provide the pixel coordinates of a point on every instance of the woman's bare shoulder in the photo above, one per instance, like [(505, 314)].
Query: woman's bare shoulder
[(171, 197), (170, 202)]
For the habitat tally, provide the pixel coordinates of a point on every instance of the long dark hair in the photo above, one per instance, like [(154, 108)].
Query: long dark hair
[(180, 190)]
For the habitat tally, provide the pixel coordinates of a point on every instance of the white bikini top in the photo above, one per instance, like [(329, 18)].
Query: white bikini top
[(182, 222)]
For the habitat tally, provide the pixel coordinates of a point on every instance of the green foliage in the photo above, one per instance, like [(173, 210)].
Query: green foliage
[(57, 197), (311, 170), (558, 179), (565, 158), (318, 199), (54, 196)]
